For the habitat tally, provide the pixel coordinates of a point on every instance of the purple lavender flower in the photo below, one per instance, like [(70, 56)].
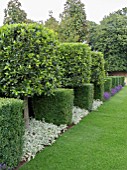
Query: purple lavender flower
[(118, 88), (113, 91), (106, 95), (2, 166)]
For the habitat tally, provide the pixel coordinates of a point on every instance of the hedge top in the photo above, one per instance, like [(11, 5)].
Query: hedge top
[(76, 62), (28, 62)]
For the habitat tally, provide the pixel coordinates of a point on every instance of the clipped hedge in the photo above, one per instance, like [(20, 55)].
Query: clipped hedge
[(97, 69), (117, 80), (28, 60), (122, 80), (113, 81), (108, 84), (56, 108), (83, 96), (98, 74), (11, 131), (99, 91), (76, 63)]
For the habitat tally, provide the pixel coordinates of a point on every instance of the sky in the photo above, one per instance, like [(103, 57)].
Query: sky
[(38, 10)]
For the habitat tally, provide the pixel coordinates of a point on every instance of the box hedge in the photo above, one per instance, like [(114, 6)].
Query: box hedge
[(113, 81), (11, 131), (56, 108), (122, 80), (99, 91), (108, 84), (97, 69), (117, 80), (76, 63), (83, 96)]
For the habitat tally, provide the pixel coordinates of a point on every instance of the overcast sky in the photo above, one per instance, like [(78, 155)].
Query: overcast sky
[(39, 9)]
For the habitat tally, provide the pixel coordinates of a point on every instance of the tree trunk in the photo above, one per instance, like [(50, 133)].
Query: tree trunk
[(26, 112)]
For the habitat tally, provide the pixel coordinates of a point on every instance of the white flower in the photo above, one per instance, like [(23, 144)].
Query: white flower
[(96, 103)]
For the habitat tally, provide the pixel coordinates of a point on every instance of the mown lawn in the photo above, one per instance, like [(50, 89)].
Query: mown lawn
[(98, 142)]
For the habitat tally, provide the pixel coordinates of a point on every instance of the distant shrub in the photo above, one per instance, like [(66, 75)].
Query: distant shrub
[(11, 131), (107, 84), (117, 80), (56, 108), (97, 69), (122, 80), (98, 91), (83, 96)]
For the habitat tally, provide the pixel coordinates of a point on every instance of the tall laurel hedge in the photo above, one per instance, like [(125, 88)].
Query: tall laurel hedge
[(27, 59), (98, 74), (28, 62), (76, 63)]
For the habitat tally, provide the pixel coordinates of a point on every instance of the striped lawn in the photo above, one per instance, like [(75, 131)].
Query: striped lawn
[(98, 142)]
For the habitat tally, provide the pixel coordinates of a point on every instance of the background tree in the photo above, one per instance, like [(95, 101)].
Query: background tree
[(52, 23), (14, 13), (92, 28), (73, 25), (110, 37)]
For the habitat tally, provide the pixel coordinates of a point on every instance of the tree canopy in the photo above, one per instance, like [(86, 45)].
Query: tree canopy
[(52, 23), (73, 27), (14, 13), (110, 37)]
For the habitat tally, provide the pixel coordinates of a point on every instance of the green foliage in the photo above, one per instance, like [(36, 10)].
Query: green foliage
[(122, 80), (113, 81), (97, 69), (76, 63), (52, 23), (73, 25), (83, 96), (56, 108), (110, 38), (117, 80), (98, 91), (11, 131), (28, 62), (92, 26), (108, 84), (14, 13)]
